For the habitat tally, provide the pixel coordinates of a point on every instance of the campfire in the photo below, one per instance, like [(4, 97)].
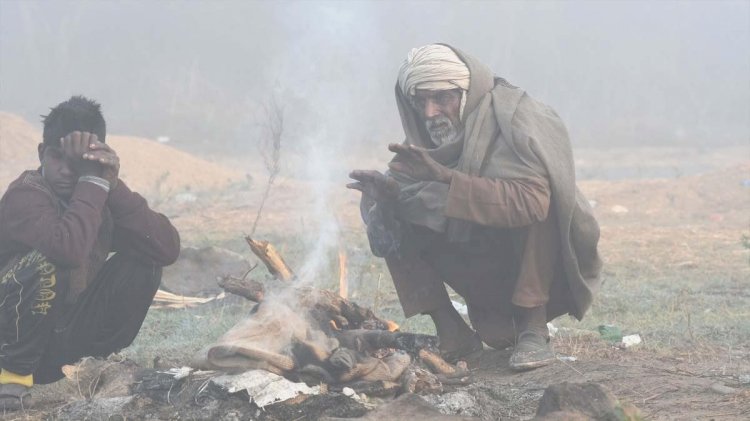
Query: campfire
[(320, 338)]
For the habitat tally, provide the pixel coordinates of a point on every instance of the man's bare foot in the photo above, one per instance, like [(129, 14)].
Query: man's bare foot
[(457, 339)]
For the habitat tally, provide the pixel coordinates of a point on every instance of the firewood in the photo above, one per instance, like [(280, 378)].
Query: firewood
[(271, 258), (418, 380), (380, 388), (327, 305), (371, 340), (244, 287), (436, 362)]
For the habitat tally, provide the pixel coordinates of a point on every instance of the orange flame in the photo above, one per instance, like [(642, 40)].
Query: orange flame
[(343, 282)]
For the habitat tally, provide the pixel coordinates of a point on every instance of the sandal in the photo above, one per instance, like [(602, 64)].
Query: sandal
[(532, 351)]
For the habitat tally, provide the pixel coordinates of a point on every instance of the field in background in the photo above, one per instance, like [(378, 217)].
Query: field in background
[(676, 269), (673, 221), (677, 273)]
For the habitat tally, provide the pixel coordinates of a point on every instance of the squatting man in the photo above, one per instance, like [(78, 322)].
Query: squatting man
[(481, 195), (81, 255)]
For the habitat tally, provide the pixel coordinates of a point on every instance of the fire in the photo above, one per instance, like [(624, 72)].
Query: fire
[(343, 282), (392, 326)]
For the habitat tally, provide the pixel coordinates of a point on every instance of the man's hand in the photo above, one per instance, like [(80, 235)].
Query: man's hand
[(416, 163), (74, 146), (107, 158), (375, 185)]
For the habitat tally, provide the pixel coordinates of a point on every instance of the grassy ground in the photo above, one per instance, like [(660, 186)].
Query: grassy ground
[(696, 308)]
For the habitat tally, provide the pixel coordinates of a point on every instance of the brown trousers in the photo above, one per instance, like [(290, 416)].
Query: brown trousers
[(498, 271)]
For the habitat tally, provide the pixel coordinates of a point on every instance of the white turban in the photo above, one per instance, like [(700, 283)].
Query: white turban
[(434, 67)]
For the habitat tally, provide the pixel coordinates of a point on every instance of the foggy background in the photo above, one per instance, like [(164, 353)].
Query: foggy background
[(619, 73)]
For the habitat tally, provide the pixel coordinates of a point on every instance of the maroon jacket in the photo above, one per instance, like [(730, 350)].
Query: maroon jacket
[(80, 234)]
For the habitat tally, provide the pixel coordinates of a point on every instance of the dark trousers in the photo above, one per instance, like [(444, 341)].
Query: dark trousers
[(40, 332), (496, 273)]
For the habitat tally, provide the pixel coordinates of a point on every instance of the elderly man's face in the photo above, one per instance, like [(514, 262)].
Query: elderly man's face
[(440, 111)]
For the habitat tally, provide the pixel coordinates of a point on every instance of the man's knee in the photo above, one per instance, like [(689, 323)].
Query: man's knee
[(35, 278), (123, 269)]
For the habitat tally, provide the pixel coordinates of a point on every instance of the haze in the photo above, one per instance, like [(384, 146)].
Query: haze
[(619, 73)]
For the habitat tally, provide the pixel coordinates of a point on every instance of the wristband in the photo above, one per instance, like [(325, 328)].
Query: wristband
[(95, 180)]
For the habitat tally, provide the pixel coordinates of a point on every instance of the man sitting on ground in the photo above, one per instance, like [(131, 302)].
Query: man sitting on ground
[(81, 255)]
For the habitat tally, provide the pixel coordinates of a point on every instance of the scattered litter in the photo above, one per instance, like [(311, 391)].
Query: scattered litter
[(552, 329), (460, 308), (724, 390), (744, 378), (348, 391), (610, 333), (263, 387), (179, 373), (164, 299), (567, 358), (619, 209), (630, 340)]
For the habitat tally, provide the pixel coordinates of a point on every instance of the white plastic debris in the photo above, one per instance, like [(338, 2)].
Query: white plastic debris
[(179, 373), (348, 391), (619, 209), (631, 340), (567, 358), (263, 387), (460, 308), (593, 203), (552, 329), (723, 389)]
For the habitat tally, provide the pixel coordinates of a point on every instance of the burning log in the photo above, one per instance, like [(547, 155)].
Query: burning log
[(316, 336), (271, 258), (244, 287), (436, 362), (419, 380), (364, 340)]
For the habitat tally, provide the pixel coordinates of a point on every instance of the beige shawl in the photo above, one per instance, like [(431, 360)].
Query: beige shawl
[(497, 112)]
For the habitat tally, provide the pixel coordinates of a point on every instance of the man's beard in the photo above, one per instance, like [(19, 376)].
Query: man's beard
[(441, 130)]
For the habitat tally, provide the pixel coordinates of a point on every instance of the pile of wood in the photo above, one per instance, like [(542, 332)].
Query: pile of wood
[(317, 336)]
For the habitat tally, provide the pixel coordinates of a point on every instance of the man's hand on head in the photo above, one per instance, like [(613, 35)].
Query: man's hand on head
[(74, 146), (375, 185), (107, 158), (416, 163)]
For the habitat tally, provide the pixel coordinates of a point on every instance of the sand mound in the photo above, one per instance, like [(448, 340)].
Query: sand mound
[(146, 166)]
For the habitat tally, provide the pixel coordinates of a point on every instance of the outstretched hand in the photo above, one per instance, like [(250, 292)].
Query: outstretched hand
[(375, 185), (416, 163)]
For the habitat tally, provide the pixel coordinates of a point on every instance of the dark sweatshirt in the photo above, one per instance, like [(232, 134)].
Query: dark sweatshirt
[(79, 234)]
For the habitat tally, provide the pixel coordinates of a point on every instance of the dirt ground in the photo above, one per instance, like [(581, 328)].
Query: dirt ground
[(677, 272)]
